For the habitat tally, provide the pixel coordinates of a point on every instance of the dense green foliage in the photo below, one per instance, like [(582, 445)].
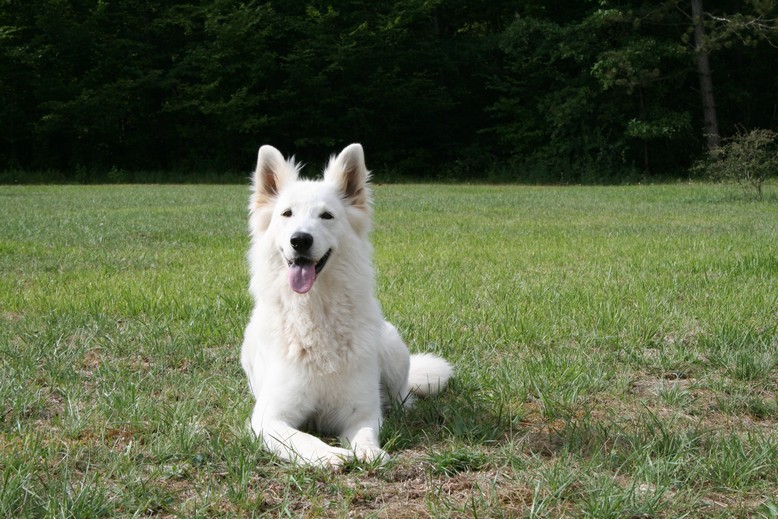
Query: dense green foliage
[(433, 88)]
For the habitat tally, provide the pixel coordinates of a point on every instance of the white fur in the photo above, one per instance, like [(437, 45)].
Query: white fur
[(322, 358)]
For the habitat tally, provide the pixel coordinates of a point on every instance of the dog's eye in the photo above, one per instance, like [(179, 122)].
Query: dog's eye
[(326, 215), (287, 213)]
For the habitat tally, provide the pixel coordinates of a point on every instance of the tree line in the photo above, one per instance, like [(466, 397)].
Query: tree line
[(466, 89)]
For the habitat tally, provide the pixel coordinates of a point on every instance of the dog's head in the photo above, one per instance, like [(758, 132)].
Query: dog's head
[(308, 222)]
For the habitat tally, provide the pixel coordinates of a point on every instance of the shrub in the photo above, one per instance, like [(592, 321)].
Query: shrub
[(747, 158)]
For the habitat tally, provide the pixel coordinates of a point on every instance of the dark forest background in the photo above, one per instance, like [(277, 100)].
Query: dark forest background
[(533, 91)]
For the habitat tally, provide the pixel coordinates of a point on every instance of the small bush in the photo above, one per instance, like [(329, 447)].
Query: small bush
[(747, 158)]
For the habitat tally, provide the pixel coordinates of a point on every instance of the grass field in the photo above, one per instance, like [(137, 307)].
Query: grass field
[(616, 352)]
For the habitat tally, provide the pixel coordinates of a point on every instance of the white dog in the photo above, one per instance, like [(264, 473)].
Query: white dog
[(317, 351)]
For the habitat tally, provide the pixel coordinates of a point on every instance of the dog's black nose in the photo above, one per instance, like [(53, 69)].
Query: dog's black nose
[(301, 241)]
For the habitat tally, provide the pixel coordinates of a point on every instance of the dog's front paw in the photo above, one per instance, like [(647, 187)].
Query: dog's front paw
[(371, 455), (332, 459)]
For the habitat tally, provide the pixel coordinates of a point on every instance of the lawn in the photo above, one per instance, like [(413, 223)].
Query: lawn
[(616, 351)]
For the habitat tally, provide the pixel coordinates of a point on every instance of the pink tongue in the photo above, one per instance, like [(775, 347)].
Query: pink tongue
[(301, 277)]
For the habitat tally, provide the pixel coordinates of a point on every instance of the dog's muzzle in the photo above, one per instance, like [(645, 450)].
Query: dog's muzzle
[(303, 269)]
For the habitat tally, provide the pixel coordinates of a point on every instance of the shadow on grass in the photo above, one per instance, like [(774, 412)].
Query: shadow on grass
[(463, 413)]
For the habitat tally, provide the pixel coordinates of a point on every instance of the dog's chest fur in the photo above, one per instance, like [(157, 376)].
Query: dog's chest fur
[(319, 334)]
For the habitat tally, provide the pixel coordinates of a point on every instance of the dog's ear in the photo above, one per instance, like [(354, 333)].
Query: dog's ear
[(349, 173), (271, 174)]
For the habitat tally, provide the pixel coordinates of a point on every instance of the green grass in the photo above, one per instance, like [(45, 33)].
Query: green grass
[(616, 352)]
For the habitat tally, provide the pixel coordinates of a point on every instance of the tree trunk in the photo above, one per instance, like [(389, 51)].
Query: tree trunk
[(645, 140), (706, 79)]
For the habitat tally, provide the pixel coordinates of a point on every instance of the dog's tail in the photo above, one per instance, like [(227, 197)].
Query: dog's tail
[(428, 374)]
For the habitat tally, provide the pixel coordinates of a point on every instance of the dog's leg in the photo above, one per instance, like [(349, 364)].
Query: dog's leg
[(361, 425), (395, 363), (293, 445), (363, 441)]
